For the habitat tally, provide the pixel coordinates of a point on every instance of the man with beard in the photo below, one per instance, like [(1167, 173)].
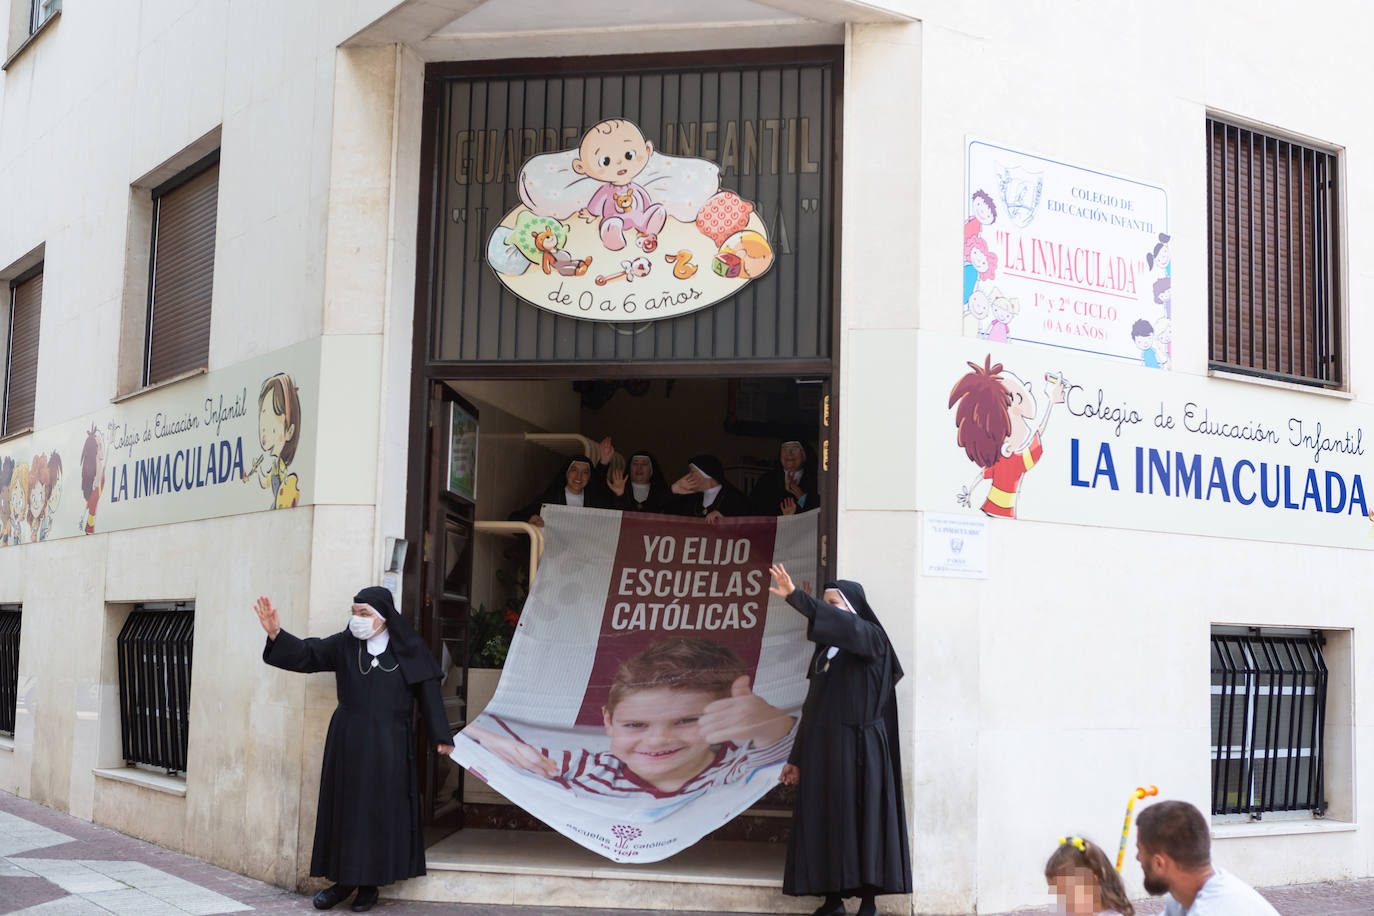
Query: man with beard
[(1174, 849)]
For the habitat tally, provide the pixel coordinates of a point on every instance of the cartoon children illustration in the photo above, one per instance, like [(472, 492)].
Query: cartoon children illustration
[(614, 152), (52, 495), (1161, 257), (1163, 336), (21, 532), (6, 475), (680, 716), (1143, 336), (279, 432), (995, 412), (38, 475), (979, 264), (984, 214), (1163, 293), (92, 476), (1004, 309), (977, 311)]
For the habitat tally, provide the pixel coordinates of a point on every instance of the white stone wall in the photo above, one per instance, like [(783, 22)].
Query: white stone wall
[(1040, 697)]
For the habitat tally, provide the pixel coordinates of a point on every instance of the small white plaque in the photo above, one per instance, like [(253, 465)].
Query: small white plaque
[(956, 546)]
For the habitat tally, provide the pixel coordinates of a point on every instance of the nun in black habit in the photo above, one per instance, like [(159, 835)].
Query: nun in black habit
[(704, 492), (849, 834), (643, 489), (575, 485), (367, 827)]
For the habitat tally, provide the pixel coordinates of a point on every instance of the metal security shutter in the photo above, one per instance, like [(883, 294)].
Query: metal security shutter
[(182, 274), (1273, 222), (769, 122), (26, 300)]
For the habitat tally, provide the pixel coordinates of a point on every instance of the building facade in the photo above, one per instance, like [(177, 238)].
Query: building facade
[(243, 248)]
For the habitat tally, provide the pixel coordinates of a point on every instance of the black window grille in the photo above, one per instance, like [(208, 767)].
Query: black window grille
[(9, 666), (154, 650), (1268, 722)]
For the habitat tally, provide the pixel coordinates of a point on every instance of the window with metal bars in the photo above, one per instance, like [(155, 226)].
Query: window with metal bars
[(1268, 721), (154, 649), (1274, 222), (10, 616), (21, 362), (181, 272)]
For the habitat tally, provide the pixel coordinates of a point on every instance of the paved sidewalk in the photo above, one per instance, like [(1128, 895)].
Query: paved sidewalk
[(55, 865)]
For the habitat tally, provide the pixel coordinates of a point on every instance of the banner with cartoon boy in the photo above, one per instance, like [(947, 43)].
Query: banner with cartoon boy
[(654, 685), (614, 230), (1066, 256)]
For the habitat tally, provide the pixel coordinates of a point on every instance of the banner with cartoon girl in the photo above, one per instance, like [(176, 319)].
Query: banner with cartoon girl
[(614, 230), (1067, 256), (236, 440), (1015, 433), (654, 685)]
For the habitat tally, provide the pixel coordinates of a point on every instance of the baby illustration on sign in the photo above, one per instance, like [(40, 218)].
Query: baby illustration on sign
[(615, 200), (995, 414), (614, 152)]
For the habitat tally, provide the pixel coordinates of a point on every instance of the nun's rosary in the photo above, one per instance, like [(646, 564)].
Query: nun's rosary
[(376, 663)]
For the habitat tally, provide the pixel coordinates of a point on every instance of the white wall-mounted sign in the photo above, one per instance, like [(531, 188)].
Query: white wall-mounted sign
[(955, 546), (1067, 256), (1032, 433)]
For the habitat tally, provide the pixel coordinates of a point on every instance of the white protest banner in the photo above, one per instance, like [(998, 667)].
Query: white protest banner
[(654, 685)]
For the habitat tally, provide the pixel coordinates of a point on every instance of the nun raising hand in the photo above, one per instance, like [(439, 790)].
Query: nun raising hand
[(367, 827), (848, 834)]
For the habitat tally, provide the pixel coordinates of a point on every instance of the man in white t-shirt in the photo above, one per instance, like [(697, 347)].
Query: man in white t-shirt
[(1174, 849)]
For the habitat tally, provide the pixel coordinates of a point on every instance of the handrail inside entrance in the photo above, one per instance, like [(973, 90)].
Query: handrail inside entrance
[(535, 534), (566, 443)]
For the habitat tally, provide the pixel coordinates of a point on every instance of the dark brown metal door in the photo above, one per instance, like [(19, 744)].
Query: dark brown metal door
[(446, 577)]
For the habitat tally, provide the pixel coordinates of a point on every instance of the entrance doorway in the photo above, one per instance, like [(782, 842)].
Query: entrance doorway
[(480, 555)]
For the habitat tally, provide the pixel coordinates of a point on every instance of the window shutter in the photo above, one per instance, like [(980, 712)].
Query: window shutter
[(183, 271), (23, 362), (1271, 210)]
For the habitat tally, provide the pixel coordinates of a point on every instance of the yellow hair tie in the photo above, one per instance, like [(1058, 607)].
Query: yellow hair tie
[(1075, 841)]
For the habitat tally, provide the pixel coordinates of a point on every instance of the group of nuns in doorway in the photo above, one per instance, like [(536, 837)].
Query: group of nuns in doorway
[(848, 836), (639, 485)]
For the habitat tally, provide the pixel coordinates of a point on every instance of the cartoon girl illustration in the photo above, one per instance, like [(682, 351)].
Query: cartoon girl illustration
[(6, 475), (979, 264), (1004, 310), (1161, 257), (984, 214), (20, 530), (976, 312), (995, 415), (52, 495), (279, 432), (92, 476), (38, 474), (614, 152)]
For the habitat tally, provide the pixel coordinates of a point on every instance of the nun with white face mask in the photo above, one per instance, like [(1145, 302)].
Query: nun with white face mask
[(367, 826), (848, 835)]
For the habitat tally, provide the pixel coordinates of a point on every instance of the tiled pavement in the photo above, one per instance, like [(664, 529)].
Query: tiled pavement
[(55, 865)]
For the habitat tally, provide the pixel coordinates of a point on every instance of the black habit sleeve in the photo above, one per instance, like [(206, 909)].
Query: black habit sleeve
[(432, 711), (831, 626), (807, 714), (304, 655)]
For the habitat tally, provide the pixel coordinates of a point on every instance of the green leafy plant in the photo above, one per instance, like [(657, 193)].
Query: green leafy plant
[(490, 630)]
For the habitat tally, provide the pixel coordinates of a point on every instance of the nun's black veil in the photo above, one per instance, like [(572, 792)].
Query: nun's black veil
[(411, 653), (854, 594)]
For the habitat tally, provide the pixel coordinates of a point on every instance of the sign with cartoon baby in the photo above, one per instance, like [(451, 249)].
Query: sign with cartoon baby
[(236, 440), (615, 231), (654, 685), (1067, 256)]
